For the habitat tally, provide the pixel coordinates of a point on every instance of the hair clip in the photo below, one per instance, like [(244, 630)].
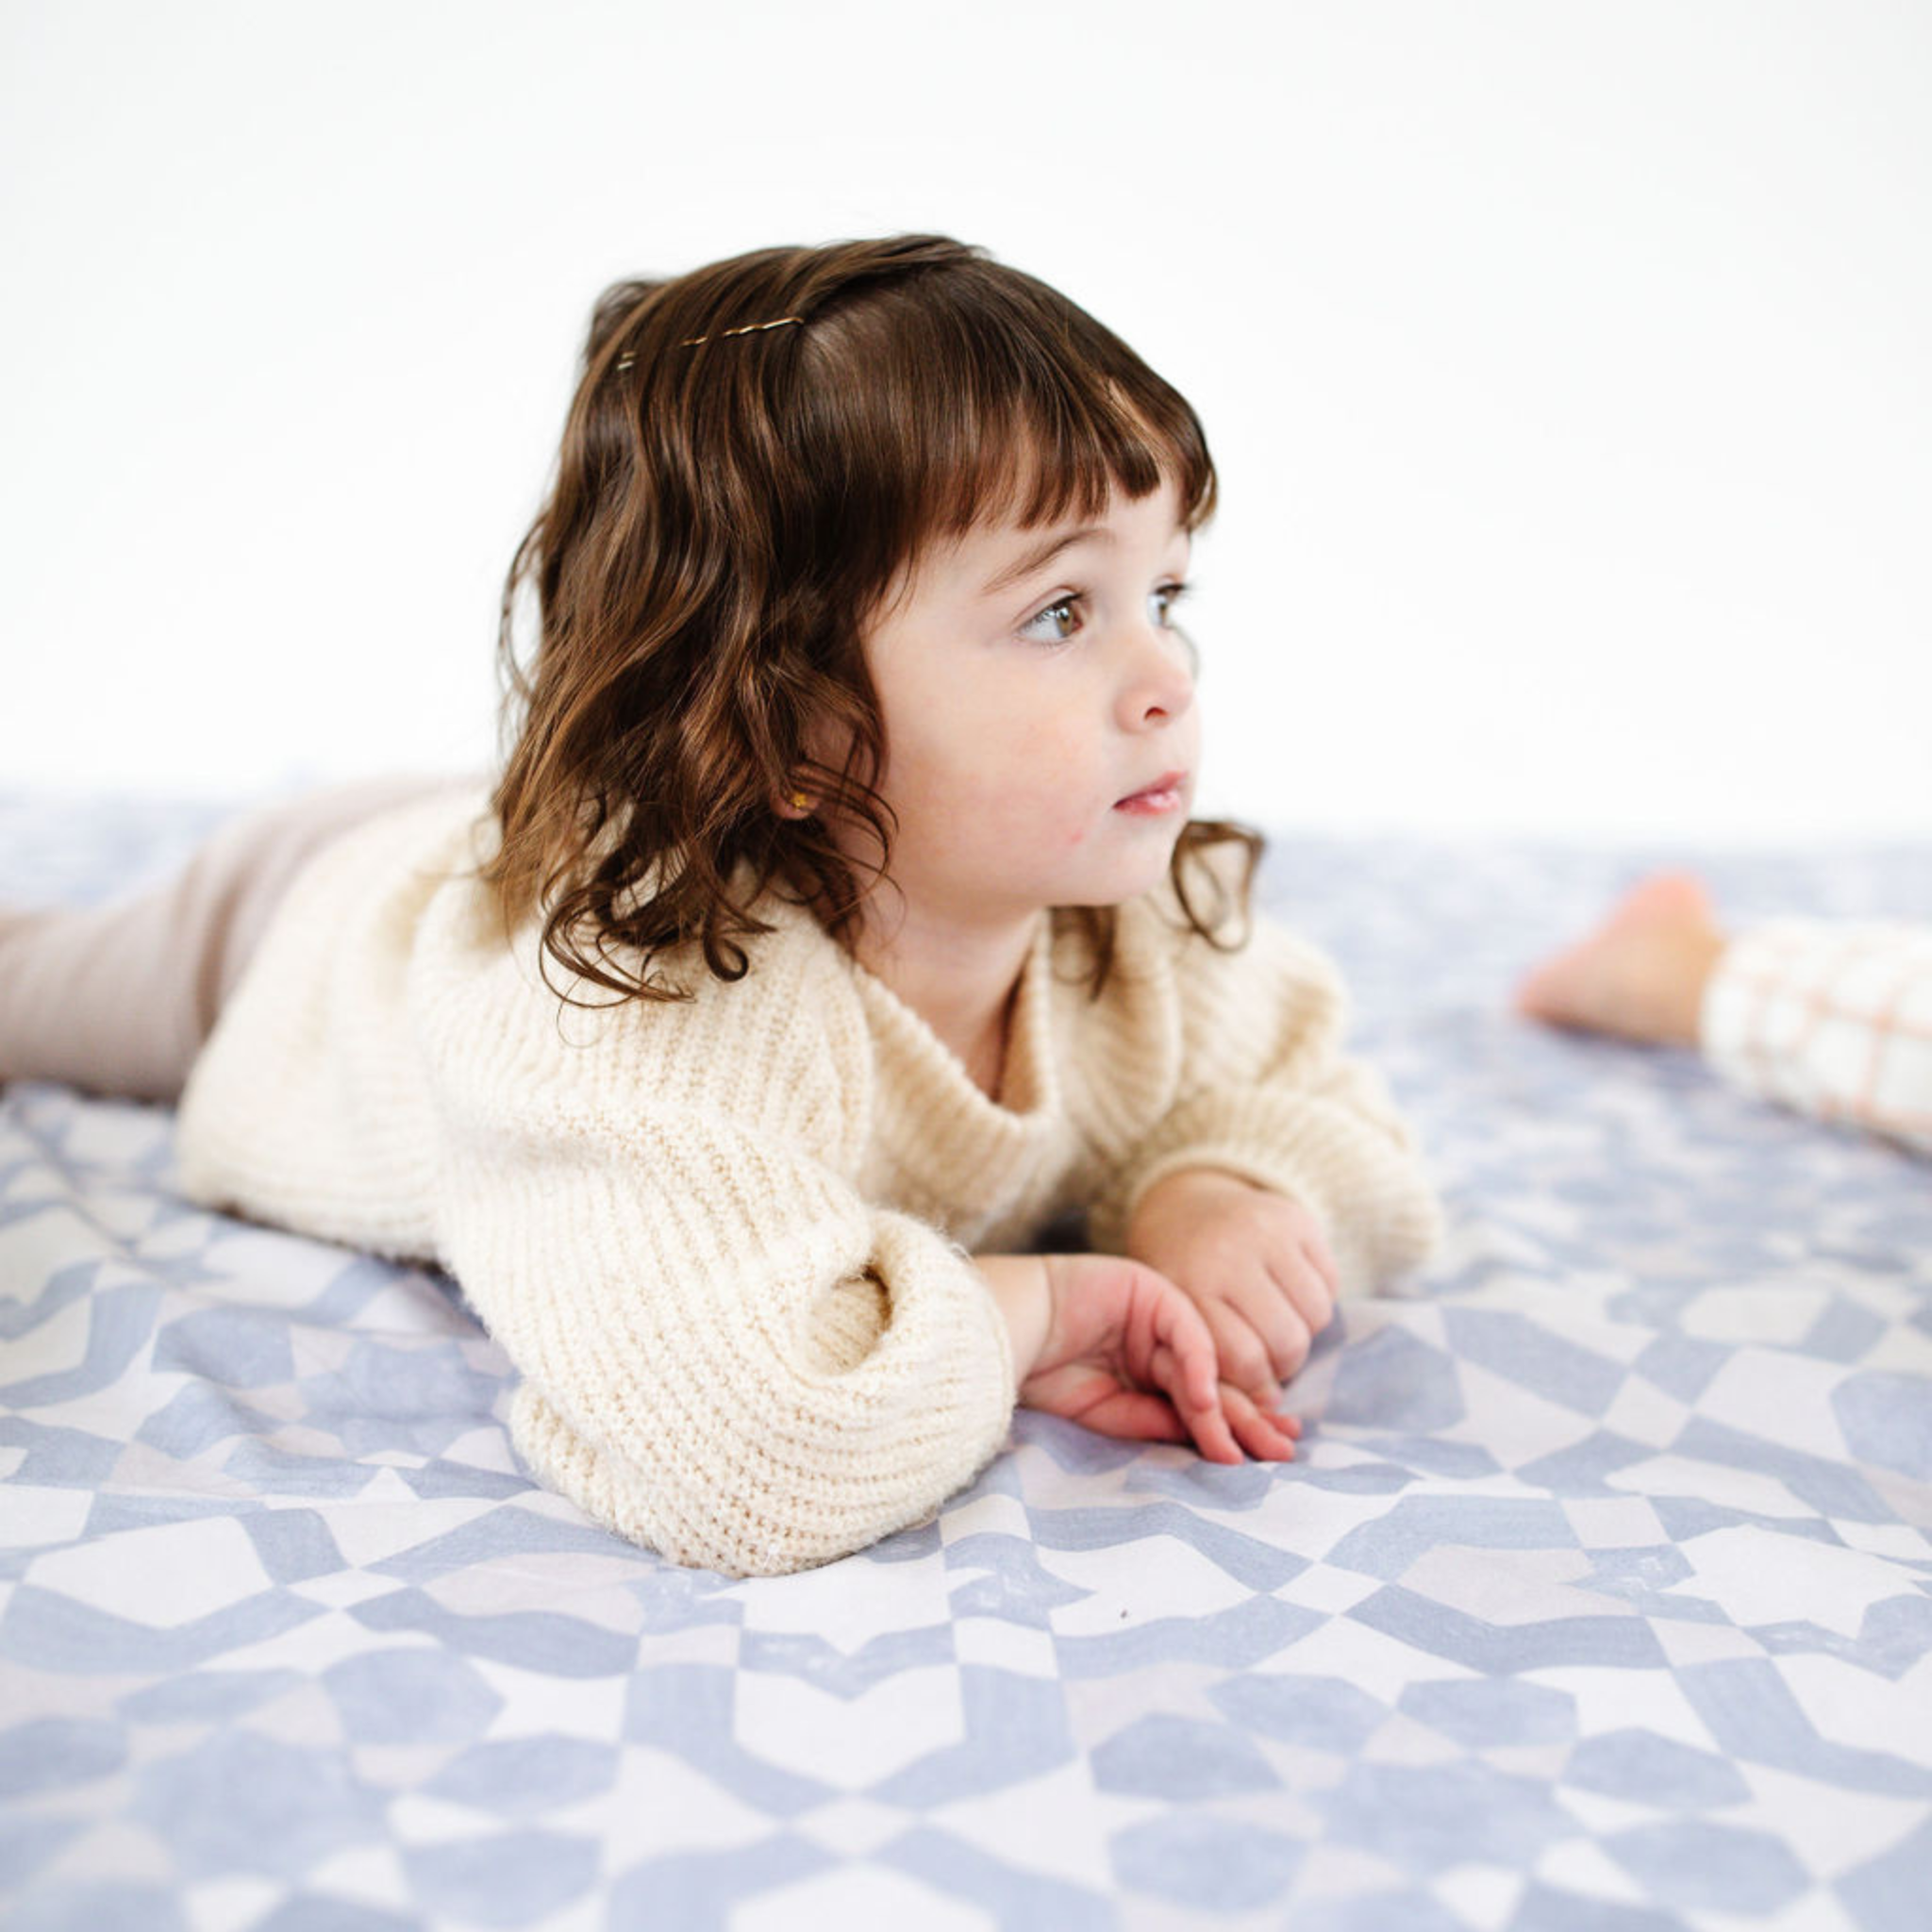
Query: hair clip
[(626, 361), (750, 328)]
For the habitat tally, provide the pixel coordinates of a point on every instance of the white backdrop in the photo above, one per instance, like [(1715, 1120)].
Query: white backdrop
[(1566, 365)]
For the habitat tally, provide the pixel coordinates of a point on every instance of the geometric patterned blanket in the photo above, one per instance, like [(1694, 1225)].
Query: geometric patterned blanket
[(1598, 1597)]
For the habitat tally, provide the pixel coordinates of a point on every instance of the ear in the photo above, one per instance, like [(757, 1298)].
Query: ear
[(800, 797)]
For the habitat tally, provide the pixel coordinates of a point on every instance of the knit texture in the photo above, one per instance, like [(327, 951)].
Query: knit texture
[(726, 1241)]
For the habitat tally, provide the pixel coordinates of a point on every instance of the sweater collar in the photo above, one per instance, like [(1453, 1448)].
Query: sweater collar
[(1029, 1083)]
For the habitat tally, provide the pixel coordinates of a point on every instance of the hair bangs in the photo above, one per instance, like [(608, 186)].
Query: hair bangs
[(1026, 412)]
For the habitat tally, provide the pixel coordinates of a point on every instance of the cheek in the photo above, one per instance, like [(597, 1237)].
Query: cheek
[(1059, 789), (989, 760), (1027, 797), (1014, 768)]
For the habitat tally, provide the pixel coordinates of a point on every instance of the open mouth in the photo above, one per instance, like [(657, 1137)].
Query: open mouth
[(1163, 795)]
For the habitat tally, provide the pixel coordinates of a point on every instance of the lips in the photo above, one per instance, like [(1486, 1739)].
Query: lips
[(1168, 781)]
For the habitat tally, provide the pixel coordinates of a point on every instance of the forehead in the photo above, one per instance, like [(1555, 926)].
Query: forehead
[(996, 556)]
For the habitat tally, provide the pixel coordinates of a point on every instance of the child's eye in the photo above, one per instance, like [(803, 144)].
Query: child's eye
[(1170, 594), (1174, 594), (1029, 631)]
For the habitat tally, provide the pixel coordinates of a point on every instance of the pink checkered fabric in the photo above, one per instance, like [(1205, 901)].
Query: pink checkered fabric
[(1829, 1016)]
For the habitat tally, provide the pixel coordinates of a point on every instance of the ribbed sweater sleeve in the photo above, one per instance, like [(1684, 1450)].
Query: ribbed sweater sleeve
[(1265, 1093), (727, 1353)]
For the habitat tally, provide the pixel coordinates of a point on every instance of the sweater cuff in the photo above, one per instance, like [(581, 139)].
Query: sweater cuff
[(1377, 1211), (1003, 1342), (810, 1442)]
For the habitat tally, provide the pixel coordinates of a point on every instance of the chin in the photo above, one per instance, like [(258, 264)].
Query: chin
[(1130, 882)]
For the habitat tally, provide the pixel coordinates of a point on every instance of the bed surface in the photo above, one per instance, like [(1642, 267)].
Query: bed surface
[(1599, 1599)]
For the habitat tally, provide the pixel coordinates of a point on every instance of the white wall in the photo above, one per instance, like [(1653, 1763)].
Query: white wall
[(1566, 365)]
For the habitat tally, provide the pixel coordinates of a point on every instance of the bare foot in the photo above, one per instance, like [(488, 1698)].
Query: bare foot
[(1640, 974)]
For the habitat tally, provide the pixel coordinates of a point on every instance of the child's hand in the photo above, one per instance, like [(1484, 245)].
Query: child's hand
[(1117, 1331), (1255, 1263)]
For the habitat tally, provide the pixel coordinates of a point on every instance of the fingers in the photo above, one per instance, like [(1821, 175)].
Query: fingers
[(1267, 1436), (1223, 1419), (1214, 1439), (1222, 1434), (1217, 1409), (1183, 1364), (1312, 1294), (1305, 1275), (1235, 1419), (1256, 1347), (1323, 1262), (1138, 1414)]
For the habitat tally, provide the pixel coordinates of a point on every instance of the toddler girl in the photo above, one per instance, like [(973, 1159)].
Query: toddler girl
[(833, 925)]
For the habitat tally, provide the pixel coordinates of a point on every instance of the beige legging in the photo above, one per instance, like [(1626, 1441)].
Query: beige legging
[(118, 998)]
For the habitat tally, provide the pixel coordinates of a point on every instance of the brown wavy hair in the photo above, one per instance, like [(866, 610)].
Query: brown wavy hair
[(727, 516)]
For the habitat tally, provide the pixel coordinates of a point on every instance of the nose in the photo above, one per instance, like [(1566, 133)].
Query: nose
[(1160, 683)]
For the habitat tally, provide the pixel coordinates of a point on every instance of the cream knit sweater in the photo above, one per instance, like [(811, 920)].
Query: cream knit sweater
[(725, 1241)]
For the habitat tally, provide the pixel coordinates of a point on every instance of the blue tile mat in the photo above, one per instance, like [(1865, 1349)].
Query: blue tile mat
[(1599, 1599)]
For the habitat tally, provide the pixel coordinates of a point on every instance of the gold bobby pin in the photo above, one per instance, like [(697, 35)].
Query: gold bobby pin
[(749, 328)]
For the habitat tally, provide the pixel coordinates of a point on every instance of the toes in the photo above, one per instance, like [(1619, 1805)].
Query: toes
[(1547, 991), (1671, 898)]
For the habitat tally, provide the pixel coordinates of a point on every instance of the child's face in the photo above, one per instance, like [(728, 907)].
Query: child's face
[(1019, 713)]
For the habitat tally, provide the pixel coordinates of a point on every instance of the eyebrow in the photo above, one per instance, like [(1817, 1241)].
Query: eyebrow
[(1040, 556), (1043, 554)]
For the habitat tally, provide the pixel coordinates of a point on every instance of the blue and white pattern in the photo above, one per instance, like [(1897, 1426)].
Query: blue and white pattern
[(1599, 1599)]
